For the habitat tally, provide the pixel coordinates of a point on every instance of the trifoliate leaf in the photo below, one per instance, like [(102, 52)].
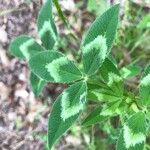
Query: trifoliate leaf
[(105, 26), (145, 87), (53, 66), (94, 117), (37, 84), (46, 26), (133, 134), (94, 54), (130, 71), (65, 111), (24, 47)]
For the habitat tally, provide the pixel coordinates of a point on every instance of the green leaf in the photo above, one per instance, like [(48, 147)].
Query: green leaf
[(102, 94), (111, 87), (53, 66), (65, 111), (73, 99), (94, 117), (94, 54), (116, 84), (101, 91), (37, 84), (110, 109), (24, 47), (60, 13), (105, 26), (112, 59), (133, 134), (111, 76), (145, 87), (46, 26), (130, 71), (98, 40), (108, 67)]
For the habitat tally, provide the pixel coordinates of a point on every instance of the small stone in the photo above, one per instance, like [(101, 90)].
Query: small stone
[(3, 36), (73, 140), (68, 5), (22, 93)]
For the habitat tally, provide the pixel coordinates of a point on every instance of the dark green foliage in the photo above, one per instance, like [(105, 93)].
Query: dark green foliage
[(94, 117)]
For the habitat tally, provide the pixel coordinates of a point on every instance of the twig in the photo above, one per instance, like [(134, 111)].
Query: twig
[(6, 12)]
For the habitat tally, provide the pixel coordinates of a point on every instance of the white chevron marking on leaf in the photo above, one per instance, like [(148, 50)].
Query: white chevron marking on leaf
[(94, 54), (53, 67), (24, 47), (67, 110), (47, 27), (131, 139), (99, 43)]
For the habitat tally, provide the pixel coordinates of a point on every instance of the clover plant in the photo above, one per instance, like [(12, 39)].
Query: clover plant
[(97, 79)]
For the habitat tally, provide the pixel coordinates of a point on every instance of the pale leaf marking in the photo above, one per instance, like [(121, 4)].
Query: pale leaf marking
[(24, 47), (47, 27), (68, 111), (131, 139)]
